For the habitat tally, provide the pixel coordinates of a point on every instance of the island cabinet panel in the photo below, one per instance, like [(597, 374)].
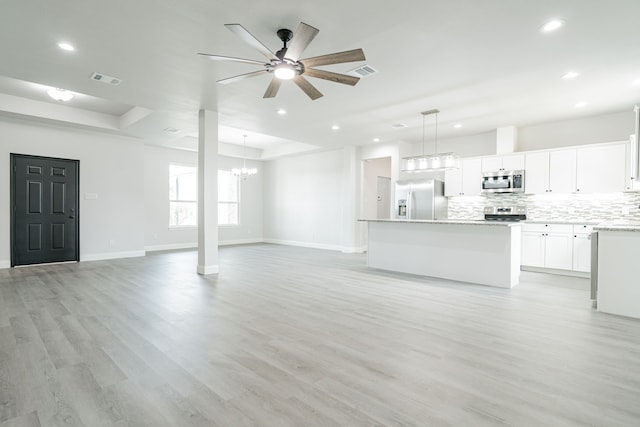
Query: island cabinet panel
[(601, 169), (467, 251)]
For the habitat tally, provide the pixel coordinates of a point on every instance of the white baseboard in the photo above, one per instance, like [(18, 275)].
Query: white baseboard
[(304, 244), (208, 269), (354, 249), (111, 255), (5, 264), (170, 246), (239, 242), (556, 271)]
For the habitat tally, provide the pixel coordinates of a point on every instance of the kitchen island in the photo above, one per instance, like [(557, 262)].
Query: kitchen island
[(481, 252), (619, 270)]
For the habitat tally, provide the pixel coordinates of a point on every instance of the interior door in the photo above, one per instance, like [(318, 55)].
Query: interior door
[(44, 210), (383, 210)]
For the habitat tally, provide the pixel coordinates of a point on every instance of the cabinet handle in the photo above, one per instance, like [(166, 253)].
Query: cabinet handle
[(577, 189)]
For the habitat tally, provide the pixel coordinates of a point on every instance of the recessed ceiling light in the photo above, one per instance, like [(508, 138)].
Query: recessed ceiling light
[(580, 104), (60, 94), (552, 25), (282, 111), (457, 125), (636, 82), (171, 130), (570, 75), (335, 127), (376, 139), (66, 46)]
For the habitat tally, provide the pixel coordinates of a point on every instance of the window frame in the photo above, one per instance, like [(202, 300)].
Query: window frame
[(178, 200), (226, 202)]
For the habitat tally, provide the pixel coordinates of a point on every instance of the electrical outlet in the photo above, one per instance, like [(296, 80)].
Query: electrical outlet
[(112, 242)]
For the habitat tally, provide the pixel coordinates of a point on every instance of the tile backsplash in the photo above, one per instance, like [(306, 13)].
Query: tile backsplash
[(547, 207)]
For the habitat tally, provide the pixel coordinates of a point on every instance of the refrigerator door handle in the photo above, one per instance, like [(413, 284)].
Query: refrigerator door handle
[(410, 213)]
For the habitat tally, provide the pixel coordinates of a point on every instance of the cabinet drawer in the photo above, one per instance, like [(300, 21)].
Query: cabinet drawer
[(582, 229), (547, 228)]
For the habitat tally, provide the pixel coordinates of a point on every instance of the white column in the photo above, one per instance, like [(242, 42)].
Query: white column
[(208, 192), (349, 200)]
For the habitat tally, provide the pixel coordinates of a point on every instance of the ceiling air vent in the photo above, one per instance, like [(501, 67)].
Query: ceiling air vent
[(114, 81), (398, 125), (363, 71)]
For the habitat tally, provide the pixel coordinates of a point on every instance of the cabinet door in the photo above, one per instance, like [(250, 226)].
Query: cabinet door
[(559, 251), (582, 252), (513, 162), (471, 177), (491, 164), (536, 175), (453, 182), (601, 169), (562, 171), (533, 249)]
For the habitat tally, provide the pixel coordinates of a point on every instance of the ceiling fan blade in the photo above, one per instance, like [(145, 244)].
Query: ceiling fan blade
[(272, 90), (334, 77), (230, 58), (334, 58), (307, 87), (241, 77), (248, 38), (301, 39)]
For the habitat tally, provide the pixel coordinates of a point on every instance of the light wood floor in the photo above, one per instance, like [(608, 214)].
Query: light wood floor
[(300, 337)]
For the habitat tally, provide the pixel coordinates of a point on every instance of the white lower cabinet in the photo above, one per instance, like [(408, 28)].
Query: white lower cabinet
[(557, 246), (582, 248)]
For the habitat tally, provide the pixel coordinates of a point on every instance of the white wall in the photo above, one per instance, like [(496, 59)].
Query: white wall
[(158, 235), (110, 166), (303, 200), (589, 130), (565, 133)]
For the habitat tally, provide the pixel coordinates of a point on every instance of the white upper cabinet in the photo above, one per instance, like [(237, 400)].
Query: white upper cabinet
[(562, 171), (550, 172), (536, 174), (472, 177), (508, 163), (465, 181), (601, 169)]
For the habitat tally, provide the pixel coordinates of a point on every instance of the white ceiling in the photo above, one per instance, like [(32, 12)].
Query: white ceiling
[(484, 64)]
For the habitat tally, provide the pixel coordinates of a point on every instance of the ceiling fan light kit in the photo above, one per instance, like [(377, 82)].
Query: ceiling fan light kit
[(430, 162), (285, 64)]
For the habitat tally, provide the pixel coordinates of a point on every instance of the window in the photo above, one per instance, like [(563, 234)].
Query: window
[(228, 198), (183, 196)]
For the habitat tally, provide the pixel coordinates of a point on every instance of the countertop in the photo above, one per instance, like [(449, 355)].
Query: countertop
[(618, 227), (447, 221)]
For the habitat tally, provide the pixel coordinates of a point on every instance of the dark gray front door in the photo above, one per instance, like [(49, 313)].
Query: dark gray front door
[(44, 210)]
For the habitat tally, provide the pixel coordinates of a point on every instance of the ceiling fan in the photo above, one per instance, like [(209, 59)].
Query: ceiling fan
[(286, 64)]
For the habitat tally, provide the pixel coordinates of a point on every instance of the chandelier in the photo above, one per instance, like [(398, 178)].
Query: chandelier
[(430, 162), (244, 172)]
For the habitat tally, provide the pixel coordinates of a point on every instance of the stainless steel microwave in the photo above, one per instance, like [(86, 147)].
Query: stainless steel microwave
[(503, 182)]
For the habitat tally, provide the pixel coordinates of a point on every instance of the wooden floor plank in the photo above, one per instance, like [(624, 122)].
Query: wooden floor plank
[(296, 336)]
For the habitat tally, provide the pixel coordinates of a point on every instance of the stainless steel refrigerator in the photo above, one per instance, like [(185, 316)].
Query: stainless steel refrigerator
[(420, 199)]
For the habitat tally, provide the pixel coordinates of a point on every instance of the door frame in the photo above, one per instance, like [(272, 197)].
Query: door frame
[(12, 196)]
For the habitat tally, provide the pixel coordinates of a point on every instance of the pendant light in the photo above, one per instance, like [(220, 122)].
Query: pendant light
[(431, 162), (244, 172)]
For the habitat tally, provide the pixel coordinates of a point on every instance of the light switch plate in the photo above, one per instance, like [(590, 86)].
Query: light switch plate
[(90, 196)]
